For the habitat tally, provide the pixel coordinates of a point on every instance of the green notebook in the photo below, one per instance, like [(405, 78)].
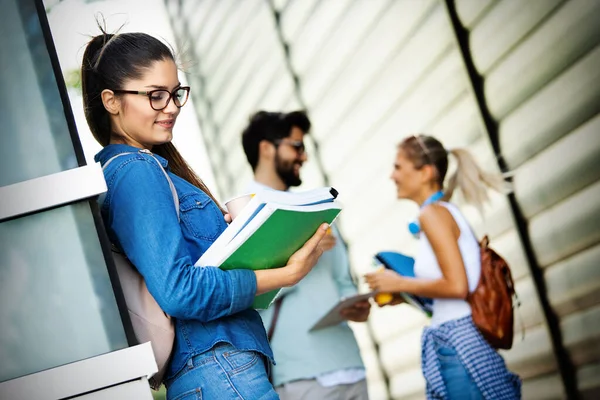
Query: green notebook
[(272, 244), (269, 238)]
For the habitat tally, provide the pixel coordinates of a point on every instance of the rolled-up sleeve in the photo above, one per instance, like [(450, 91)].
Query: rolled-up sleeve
[(142, 217), (243, 283)]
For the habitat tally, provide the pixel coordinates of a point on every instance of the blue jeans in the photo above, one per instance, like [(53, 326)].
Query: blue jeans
[(222, 373), (458, 382)]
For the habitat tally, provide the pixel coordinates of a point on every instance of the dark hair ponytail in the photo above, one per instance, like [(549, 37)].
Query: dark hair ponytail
[(92, 85), (109, 61)]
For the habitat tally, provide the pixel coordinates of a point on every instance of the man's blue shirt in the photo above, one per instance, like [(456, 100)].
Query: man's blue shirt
[(332, 352), (209, 305)]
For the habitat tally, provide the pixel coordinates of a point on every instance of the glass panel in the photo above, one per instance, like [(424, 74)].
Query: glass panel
[(35, 137), (57, 301)]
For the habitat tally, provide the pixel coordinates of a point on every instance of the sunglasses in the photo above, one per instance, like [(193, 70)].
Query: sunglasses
[(298, 145)]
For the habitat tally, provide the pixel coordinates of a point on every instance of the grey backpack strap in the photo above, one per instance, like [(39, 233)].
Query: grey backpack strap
[(171, 186)]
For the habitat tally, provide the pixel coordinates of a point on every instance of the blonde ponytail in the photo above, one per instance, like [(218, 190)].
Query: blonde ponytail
[(472, 181)]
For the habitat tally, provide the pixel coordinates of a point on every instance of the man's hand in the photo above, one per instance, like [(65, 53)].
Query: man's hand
[(358, 312)]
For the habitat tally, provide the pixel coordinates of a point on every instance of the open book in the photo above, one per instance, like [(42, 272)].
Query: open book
[(405, 266), (269, 229)]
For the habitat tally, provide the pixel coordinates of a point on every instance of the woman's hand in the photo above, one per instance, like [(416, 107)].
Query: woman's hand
[(303, 260), (328, 241), (298, 266), (386, 281)]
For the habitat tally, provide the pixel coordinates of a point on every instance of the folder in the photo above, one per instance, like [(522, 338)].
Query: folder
[(405, 266)]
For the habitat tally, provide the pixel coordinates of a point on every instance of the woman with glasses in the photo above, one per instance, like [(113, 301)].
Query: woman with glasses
[(457, 361), (132, 97)]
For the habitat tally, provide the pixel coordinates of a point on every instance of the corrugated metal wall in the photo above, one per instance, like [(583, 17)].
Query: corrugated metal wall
[(371, 72)]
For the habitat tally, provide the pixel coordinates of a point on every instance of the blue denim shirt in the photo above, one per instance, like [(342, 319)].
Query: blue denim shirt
[(209, 305)]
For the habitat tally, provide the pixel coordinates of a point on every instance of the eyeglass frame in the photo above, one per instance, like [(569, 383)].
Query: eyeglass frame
[(298, 145), (149, 94)]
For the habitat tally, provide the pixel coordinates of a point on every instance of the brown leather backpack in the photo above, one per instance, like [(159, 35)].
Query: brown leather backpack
[(492, 301)]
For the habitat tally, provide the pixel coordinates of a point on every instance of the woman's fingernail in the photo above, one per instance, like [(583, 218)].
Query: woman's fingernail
[(325, 227)]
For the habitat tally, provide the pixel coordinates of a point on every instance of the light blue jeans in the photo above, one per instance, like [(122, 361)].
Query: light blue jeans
[(458, 382), (222, 373)]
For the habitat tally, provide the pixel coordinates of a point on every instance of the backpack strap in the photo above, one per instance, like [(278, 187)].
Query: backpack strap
[(275, 318), (277, 309), (171, 185)]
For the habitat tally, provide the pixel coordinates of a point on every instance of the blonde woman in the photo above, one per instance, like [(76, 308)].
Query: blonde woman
[(457, 362)]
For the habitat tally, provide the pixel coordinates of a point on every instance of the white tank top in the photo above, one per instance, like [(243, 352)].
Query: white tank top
[(426, 266)]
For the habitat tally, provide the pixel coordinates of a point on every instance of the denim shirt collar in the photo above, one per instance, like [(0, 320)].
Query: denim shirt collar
[(112, 150)]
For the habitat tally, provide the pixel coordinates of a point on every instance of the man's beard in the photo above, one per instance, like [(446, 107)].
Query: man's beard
[(285, 170)]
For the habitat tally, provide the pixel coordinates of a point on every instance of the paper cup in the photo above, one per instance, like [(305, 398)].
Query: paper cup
[(235, 205)]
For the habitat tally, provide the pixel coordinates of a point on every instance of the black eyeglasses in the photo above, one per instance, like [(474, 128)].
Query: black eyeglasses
[(298, 145), (160, 98)]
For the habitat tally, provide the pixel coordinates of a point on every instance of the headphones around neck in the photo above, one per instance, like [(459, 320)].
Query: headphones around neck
[(414, 226)]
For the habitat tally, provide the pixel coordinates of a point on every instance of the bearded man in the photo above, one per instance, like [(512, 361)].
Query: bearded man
[(325, 363)]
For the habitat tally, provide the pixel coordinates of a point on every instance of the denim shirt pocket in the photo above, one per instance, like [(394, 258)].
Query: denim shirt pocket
[(200, 216)]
